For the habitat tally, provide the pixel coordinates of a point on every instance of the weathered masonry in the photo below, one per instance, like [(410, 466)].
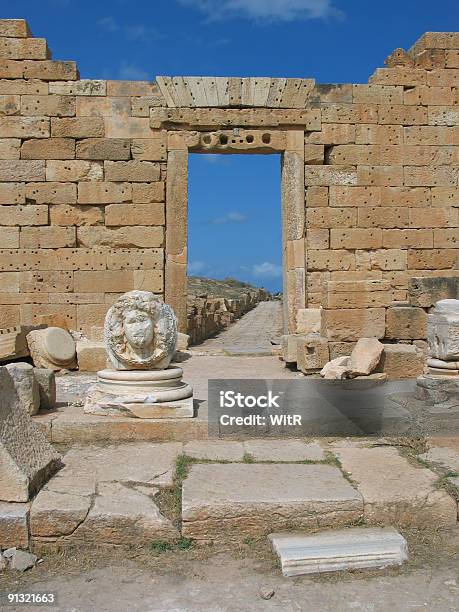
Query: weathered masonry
[(93, 191)]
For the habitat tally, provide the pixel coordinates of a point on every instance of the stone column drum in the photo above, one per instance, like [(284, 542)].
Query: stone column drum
[(441, 381), (140, 336)]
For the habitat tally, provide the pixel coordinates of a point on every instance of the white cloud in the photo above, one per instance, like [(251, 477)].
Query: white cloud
[(265, 10), (137, 31), (231, 217), (194, 267), (267, 269), (109, 24), (131, 72)]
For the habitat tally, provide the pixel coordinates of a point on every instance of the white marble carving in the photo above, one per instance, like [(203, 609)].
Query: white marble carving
[(140, 336), (140, 332)]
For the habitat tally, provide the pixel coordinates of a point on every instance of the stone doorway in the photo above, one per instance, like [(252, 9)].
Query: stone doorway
[(290, 144)]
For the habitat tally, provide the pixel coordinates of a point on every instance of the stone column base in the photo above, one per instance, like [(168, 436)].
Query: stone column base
[(142, 394)]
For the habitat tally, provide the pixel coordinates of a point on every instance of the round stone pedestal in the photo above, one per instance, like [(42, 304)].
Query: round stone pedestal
[(144, 394)]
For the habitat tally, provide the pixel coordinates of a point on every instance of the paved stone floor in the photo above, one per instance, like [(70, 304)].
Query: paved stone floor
[(250, 335)]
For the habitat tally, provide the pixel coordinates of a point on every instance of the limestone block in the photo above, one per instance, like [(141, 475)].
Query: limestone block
[(52, 348), (13, 343), (425, 292), (402, 361), (124, 237), (365, 356), (48, 148), (24, 127), (14, 28), (14, 525), (78, 127), (104, 193), (21, 170), (406, 323), (54, 514), (73, 170), (114, 149), (63, 214), (312, 352), (50, 70), (132, 171), (135, 214), (308, 320), (83, 87), (26, 386), (91, 356), (46, 380), (51, 193), (257, 497), (148, 192), (151, 149), (410, 495), (47, 237), (352, 324), (222, 117), (27, 460)]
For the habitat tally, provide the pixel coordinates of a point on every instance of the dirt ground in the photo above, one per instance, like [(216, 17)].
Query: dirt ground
[(207, 580)]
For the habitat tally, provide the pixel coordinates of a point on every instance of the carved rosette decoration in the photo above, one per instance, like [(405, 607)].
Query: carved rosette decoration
[(140, 332)]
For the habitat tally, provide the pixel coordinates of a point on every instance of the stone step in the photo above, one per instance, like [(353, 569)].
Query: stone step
[(395, 491), (229, 502), (345, 549), (106, 496)]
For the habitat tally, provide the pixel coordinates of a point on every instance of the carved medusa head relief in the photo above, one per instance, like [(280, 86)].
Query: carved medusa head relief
[(140, 332)]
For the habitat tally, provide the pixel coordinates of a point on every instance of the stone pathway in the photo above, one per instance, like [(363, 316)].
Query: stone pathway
[(233, 490), (250, 335)]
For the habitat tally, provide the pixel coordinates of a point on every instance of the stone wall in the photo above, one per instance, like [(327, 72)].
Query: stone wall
[(209, 315), (93, 182)]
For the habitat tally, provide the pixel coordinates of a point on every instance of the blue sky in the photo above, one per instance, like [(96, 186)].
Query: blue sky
[(333, 41)]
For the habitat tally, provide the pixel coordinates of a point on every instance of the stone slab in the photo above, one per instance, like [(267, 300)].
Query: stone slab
[(214, 450), (148, 464), (14, 525), (447, 458), (284, 450), (228, 502), (55, 514), (26, 386), (395, 491), (13, 344), (46, 380), (27, 460), (339, 550), (122, 515)]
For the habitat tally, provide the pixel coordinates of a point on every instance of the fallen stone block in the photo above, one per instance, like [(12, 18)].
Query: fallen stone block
[(343, 550), (91, 356), (394, 491), (338, 368), (14, 525), (27, 459), (52, 348), (13, 344), (26, 386), (312, 353), (229, 502), (365, 356), (401, 361), (46, 380)]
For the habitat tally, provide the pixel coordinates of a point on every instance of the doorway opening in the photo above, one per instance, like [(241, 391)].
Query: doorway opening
[(235, 251)]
